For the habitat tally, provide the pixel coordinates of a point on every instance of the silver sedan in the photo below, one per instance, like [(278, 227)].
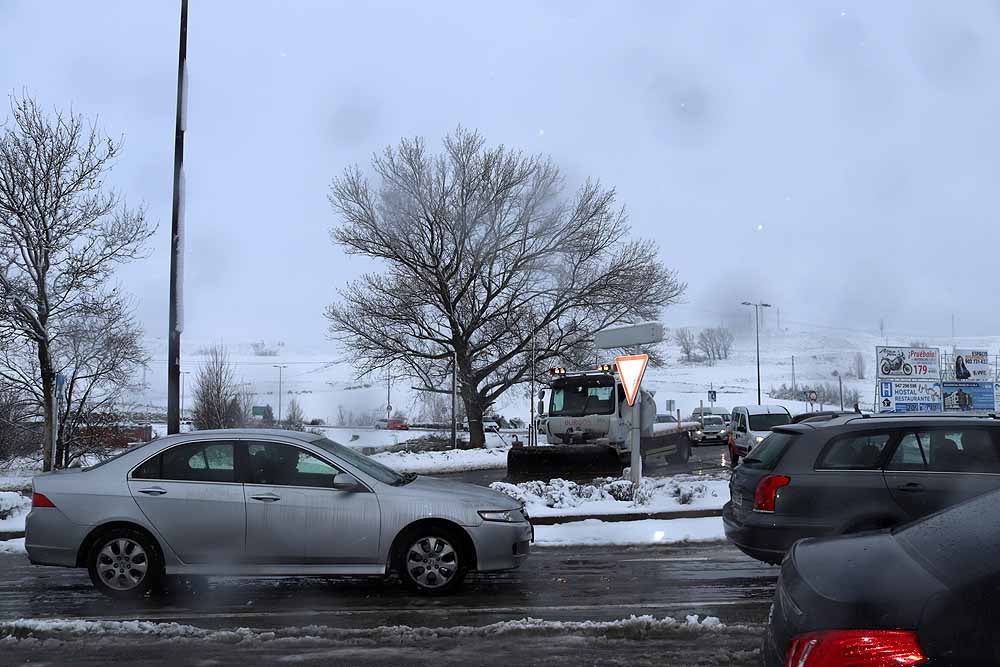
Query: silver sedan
[(266, 503)]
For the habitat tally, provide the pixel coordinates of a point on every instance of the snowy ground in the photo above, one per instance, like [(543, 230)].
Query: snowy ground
[(14, 508), (427, 463), (559, 497), (647, 531)]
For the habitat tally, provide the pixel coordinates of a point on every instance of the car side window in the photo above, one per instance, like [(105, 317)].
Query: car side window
[(911, 453), (854, 452), (962, 450), (276, 464), (208, 461)]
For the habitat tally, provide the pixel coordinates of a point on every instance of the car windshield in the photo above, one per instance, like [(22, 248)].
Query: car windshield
[(768, 421), (366, 465), (712, 421), (583, 396), (959, 545), (766, 455)]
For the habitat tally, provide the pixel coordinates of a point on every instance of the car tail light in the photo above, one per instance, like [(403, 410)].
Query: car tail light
[(855, 648), (40, 500), (767, 492)]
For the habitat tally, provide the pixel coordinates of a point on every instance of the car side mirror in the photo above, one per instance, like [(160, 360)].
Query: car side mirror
[(347, 482), (541, 407)]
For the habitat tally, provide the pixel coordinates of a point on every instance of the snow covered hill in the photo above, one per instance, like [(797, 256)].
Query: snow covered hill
[(325, 386)]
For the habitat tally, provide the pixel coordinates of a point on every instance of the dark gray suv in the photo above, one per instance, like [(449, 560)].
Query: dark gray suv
[(856, 473)]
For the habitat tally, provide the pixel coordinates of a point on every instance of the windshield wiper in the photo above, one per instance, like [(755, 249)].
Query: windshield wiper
[(405, 478)]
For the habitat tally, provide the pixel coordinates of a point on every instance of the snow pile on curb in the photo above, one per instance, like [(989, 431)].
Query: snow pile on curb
[(609, 495), (454, 460), (12, 546), (14, 508), (634, 627), (646, 531)]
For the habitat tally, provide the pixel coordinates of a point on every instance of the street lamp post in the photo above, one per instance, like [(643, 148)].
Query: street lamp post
[(756, 310), (280, 367)]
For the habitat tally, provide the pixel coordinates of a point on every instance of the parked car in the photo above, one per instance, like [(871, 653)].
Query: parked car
[(265, 503), (489, 425), (711, 429), (750, 425), (923, 594), (716, 410), (392, 424), (856, 473), (666, 419)]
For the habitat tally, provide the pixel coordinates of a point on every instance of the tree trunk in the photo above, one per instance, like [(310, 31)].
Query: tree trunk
[(48, 390), (475, 408)]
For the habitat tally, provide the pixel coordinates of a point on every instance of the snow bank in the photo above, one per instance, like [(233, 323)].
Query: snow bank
[(607, 495), (454, 460), (14, 508), (13, 546), (646, 531), (634, 627)]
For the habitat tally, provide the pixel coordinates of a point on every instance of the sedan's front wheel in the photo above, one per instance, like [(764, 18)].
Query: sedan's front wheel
[(124, 564), (432, 561)]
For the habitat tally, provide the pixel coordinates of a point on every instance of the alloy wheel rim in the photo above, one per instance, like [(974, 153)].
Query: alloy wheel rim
[(431, 562), (122, 564)]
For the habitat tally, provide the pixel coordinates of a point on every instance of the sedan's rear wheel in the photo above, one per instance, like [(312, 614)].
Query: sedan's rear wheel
[(432, 562), (124, 563)]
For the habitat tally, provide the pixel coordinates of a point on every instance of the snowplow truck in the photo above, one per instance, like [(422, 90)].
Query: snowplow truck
[(586, 416)]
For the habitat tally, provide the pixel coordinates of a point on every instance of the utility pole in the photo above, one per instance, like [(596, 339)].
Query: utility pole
[(176, 316), (794, 386), (756, 310), (280, 368), (531, 425), (184, 375), (840, 381)]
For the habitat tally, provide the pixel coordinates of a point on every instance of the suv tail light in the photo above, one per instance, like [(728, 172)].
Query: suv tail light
[(855, 648), (767, 492), (40, 500)]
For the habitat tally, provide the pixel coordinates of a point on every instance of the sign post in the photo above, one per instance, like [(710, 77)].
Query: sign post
[(630, 369)]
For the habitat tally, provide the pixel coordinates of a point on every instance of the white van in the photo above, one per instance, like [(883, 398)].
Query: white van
[(750, 425)]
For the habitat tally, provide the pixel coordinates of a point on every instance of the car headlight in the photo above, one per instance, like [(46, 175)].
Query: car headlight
[(697, 433), (504, 516), (758, 439)]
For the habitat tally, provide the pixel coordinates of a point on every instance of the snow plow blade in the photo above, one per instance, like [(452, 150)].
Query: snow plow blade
[(566, 461)]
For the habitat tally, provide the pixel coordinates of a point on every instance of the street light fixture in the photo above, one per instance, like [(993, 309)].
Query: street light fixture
[(756, 310), (280, 367)]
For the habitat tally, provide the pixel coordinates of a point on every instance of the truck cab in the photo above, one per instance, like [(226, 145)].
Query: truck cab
[(585, 408)]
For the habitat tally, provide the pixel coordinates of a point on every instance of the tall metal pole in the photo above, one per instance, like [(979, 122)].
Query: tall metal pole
[(184, 375), (388, 395), (454, 400), (531, 426), (840, 380), (794, 386), (756, 310), (176, 319)]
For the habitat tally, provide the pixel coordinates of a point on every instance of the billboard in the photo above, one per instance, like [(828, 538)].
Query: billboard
[(908, 396), (908, 363), (969, 396), (972, 366)]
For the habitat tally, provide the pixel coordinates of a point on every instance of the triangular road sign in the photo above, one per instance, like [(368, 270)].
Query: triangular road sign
[(630, 371)]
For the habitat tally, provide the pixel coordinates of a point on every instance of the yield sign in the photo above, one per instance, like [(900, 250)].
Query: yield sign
[(630, 371)]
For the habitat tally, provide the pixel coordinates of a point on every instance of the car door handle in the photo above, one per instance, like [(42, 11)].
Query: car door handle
[(910, 487), (267, 498), (153, 491)]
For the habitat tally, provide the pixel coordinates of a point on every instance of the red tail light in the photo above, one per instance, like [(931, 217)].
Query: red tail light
[(39, 500), (767, 492), (855, 648)]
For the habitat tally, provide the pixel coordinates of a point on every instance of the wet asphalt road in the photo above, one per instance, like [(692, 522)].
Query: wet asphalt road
[(350, 622)]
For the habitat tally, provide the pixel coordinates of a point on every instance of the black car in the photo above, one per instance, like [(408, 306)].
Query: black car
[(922, 594), (854, 473)]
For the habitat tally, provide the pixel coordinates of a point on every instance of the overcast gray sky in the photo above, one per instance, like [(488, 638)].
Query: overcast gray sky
[(839, 159)]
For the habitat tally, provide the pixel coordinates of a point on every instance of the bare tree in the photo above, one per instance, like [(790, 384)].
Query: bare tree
[(726, 340), (216, 402), (708, 343), (858, 365), (18, 437), (687, 341), (484, 253), (294, 417), (62, 234)]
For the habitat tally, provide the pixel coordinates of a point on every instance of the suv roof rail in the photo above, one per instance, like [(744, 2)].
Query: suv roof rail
[(918, 415)]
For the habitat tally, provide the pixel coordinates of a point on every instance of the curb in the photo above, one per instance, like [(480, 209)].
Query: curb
[(631, 516)]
